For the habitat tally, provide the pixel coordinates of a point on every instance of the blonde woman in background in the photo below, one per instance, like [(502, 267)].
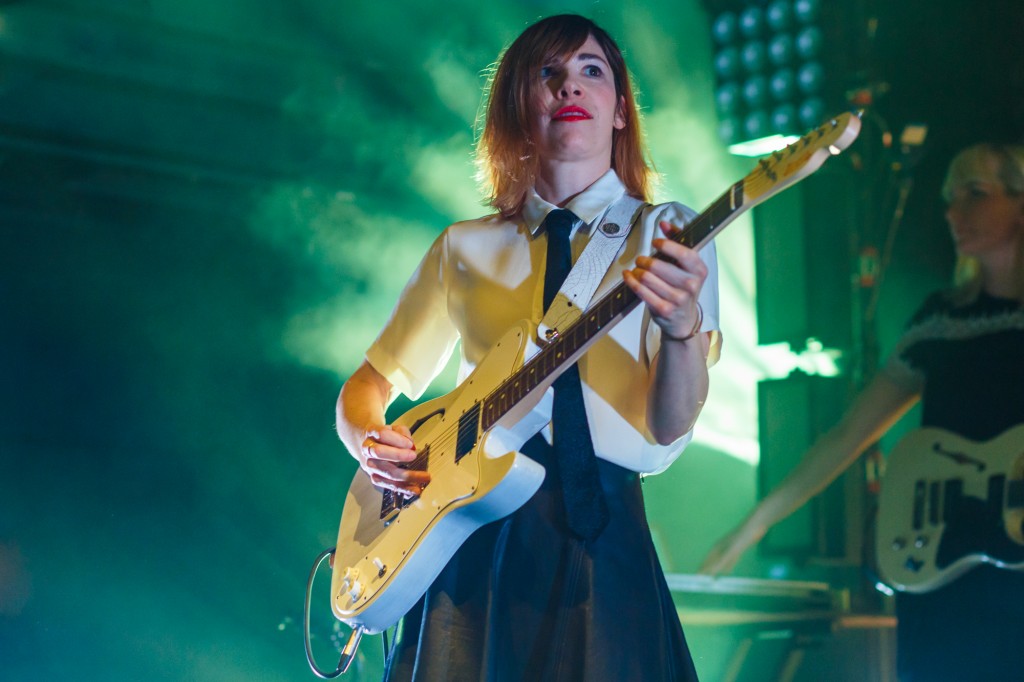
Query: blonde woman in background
[(962, 356)]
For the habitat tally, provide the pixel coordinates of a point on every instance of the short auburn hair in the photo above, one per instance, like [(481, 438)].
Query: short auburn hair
[(506, 159)]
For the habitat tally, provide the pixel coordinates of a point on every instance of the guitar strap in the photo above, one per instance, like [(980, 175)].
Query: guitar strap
[(580, 284)]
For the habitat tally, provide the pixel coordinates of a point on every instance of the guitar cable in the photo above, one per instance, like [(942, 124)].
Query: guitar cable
[(349, 651)]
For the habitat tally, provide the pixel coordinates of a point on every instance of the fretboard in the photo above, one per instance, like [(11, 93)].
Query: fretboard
[(557, 353)]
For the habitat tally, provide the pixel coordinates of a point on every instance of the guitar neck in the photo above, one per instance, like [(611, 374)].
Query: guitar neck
[(558, 354), (772, 174)]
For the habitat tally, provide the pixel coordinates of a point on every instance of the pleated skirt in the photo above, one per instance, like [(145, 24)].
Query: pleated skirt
[(525, 599)]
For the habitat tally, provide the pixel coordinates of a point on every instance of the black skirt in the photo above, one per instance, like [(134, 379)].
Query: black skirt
[(525, 599)]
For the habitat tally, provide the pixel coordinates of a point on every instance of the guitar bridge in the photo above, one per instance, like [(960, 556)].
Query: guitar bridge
[(392, 503)]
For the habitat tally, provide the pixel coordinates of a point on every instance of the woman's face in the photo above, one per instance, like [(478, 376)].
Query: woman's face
[(983, 218), (576, 107)]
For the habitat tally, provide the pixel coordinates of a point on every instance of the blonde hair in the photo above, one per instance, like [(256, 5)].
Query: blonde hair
[(507, 164), (973, 164)]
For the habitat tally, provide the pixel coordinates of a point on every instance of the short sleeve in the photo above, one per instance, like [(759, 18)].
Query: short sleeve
[(680, 215), (419, 337)]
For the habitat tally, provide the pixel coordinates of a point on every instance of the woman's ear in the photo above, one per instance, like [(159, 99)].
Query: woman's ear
[(620, 114)]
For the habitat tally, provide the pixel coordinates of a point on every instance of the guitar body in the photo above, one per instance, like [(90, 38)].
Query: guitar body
[(388, 565), (948, 504)]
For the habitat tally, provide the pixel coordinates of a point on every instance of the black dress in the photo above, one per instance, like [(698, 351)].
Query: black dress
[(971, 359), (524, 600)]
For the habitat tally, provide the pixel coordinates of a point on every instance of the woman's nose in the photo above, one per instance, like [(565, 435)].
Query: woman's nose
[(569, 86)]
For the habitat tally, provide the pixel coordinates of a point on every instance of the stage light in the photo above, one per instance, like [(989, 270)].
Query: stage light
[(779, 15), (729, 129), (783, 85), (762, 146), (727, 63), (784, 119), (752, 22), (754, 56), (755, 92), (727, 98), (808, 42), (781, 49), (811, 112), (811, 78), (725, 28), (774, 75), (806, 11), (757, 124)]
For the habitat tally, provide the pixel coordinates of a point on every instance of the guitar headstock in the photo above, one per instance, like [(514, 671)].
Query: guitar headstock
[(786, 167)]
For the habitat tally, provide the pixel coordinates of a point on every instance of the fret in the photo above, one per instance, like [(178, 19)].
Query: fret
[(721, 213), (548, 360), (579, 336), (737, 196)]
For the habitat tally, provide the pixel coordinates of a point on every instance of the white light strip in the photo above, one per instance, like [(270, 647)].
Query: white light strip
[(762, 145)]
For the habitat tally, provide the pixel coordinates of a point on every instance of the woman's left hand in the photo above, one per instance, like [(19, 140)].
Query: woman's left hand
[(670, 287)]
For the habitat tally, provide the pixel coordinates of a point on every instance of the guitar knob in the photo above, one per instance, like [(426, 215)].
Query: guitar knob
[(913, 565), (921, 541), (356, 591), (899, 544), (351, 575)]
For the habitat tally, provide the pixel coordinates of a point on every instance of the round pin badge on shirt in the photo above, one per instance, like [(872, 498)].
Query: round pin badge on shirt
[(610, 229)]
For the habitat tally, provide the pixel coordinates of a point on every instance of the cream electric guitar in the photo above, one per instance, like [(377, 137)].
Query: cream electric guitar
[(949, 504), (391, 548)]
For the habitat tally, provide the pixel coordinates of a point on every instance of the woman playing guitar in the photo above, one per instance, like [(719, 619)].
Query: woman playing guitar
[(540, 595)]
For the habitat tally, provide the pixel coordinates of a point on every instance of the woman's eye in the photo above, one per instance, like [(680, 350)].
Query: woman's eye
[(592, 70), (546, 71)]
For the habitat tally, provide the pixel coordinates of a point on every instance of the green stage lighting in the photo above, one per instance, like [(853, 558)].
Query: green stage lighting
[(772, 71)]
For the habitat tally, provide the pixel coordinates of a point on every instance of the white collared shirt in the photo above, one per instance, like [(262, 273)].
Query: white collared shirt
[(481, 277)]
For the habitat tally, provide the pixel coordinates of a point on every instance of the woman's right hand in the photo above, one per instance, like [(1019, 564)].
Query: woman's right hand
[(388, 456), (386, 453)]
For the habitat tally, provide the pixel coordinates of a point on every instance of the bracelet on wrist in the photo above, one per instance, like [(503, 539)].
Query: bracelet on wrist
[(693, 332)]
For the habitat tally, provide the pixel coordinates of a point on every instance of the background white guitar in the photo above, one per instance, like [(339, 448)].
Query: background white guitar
[(949, 504), (390, 549)]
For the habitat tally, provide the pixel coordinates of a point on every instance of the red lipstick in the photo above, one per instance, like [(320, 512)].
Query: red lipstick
[(571, 113)]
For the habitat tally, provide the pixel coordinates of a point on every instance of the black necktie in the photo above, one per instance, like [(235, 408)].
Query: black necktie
[(585, 507)]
